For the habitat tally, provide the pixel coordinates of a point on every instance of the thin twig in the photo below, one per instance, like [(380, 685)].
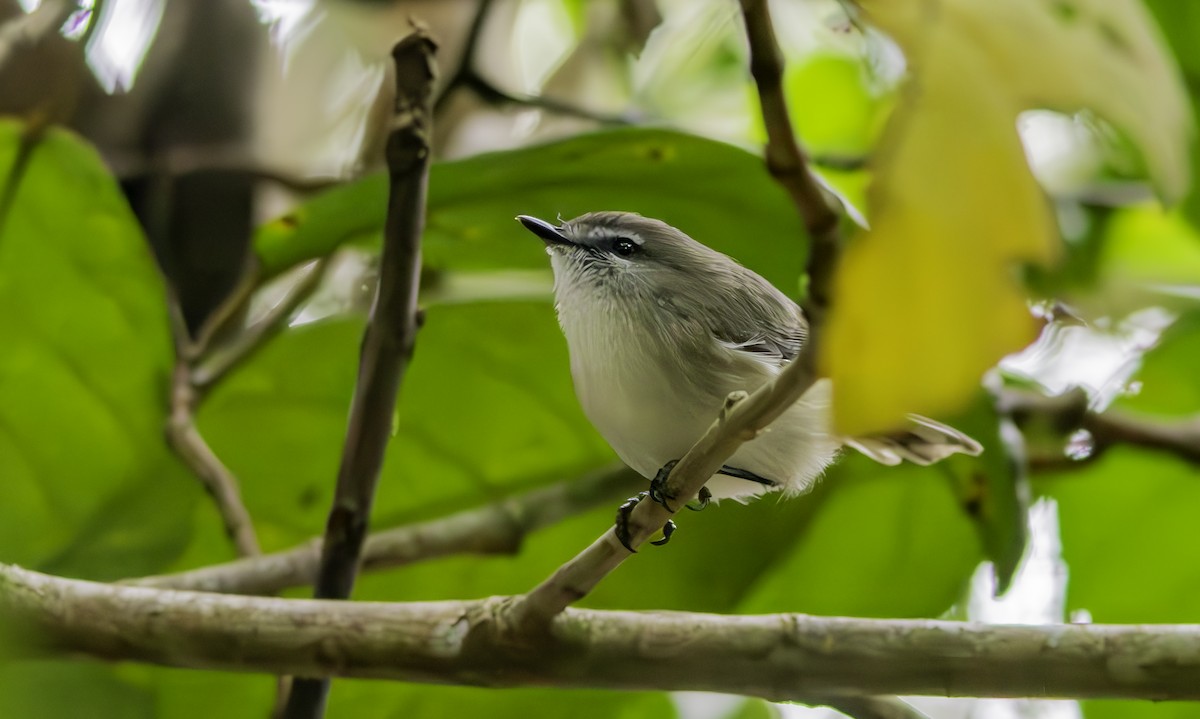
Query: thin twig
[(494, 529), (467, 77), (787, 162), (187, 443), (1069, 412), (493, 95), (466, 62), (220, 361), (779, 657), (387, 344), (743, 416)]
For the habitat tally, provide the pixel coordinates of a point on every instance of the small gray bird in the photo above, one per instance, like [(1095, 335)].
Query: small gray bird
[(661, 329)]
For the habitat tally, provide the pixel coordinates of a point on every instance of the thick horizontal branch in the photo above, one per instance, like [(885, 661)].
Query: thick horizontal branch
[(494, 529), (776, 657)]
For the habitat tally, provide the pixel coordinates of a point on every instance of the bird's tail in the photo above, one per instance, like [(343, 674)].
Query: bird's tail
[(922, 442)]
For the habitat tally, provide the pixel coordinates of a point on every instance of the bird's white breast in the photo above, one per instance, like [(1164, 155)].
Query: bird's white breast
[(627, 393)]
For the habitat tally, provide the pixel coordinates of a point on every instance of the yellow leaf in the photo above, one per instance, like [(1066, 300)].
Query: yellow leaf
[(929, 298)]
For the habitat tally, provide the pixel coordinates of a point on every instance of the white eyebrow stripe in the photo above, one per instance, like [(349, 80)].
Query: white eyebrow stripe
[(604, 232)]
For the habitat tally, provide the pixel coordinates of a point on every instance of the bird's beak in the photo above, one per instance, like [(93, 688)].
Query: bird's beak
[(550, 234)]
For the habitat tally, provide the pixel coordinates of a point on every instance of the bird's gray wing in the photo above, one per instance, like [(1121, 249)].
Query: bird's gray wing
[(763, 323), (776, 346)]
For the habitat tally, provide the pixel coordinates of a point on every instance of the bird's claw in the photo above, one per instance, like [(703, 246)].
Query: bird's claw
[(702, 500), (667, 530), (622, 524), (658, 486)]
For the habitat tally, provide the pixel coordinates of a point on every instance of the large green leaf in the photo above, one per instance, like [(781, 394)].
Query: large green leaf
[(1130, 537), (1180, 23), (65, 690), (886, 542), (83, 373), (991, 488), (487, 406), (719, 194)]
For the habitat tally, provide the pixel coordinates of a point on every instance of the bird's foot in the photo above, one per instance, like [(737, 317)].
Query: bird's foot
[(622, 524), (658, 486), (702, 500)]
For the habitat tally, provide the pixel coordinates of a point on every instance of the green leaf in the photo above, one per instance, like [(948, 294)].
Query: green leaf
[(84, 371), (1166, 382), (1180, 23), (1138, 710), (480, 414), (66, 690), (992, 490), (954, 198), (846, 127), (719, 194), (1129, 536), (886, 542)]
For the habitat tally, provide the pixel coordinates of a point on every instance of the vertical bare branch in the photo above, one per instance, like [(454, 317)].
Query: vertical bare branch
[(787, 163), (387, 345)]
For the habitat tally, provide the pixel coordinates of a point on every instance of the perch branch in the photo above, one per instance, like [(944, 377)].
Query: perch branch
[(494, 529), (743, 417), (782, 657), (387, 344)]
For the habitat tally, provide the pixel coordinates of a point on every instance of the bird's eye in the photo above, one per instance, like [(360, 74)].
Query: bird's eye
[(624, 247)]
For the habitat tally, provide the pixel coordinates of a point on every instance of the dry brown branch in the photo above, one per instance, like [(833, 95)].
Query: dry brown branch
[(780, 657), (387, 344)]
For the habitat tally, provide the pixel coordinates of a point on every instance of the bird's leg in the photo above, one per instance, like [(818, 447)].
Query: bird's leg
[(622, 524)]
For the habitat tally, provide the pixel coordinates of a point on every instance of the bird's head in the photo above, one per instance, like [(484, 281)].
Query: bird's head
[(625, 256)]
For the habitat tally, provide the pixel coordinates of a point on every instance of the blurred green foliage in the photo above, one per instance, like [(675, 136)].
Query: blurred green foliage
[(88, 488)]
